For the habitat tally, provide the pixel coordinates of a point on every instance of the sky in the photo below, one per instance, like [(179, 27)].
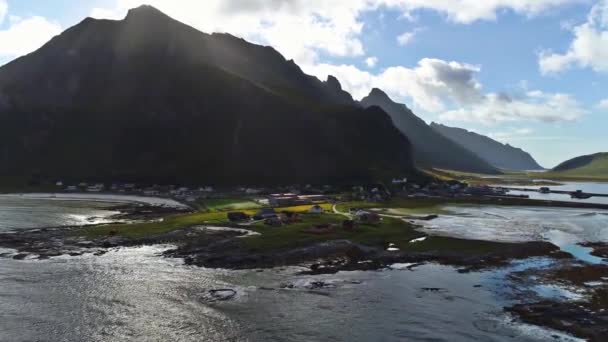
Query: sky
[(531, 73)]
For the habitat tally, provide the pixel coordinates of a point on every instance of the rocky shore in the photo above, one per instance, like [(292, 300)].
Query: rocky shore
[(585, 317)]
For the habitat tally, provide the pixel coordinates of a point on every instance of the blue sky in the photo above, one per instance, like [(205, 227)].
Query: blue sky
[(532, 73)]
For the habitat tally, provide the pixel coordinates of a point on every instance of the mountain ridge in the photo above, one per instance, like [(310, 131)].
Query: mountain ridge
[(502, 156), (431, 149), (150, 99)]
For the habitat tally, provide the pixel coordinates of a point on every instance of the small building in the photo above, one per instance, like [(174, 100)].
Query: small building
[(59, 183), (321, 229), (370, 218), (238, 217), (316, 209), (95, 188), (265, 213), (273, 222), (151, 192), (349, 225), (545, 190)]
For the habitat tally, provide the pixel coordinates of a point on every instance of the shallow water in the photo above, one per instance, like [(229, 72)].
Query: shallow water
[(135, 294), (132, 294), (589, 187), (23, 213), (565, 228)]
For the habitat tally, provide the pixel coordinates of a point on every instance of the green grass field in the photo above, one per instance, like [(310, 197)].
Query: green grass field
[(389, 230)]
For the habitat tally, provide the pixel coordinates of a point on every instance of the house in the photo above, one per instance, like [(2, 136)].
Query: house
[(545, 190), (71, 188), (273, 222), (321, 229), (400, 181), (349, 225), (283, 199), (151, 192), (289, 217), (96, 188), (59, 183), (238, 217), (265, 213), (369, 218), (316, 209)]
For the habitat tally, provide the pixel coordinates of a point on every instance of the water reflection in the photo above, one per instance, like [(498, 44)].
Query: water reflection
[(133, 294)]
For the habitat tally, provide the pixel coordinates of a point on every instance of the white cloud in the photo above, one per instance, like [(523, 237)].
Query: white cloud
[(299, 29), (26, 35), (588, 49), (451, 89), (534, 106), (406, 37), (302, 29), (432, 84), (469, 11), (3, 10), (509, 134), (603, 104), (371, 61)]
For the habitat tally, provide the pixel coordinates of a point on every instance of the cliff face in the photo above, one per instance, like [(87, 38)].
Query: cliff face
[(150, 99), (430, 148), (500, 155)]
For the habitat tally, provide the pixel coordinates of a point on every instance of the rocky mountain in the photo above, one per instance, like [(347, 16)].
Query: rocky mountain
[(593, 165), (502, 156), (431, 149), (150, 99)]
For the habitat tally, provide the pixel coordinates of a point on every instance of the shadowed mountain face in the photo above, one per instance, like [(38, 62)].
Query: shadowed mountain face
[(431, 149), (150, 99), (503, 156)]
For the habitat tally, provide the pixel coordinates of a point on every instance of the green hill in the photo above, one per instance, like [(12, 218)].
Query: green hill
[(593, 166)]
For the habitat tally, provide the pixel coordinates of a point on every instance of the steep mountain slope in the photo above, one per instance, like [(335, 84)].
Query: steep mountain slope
[(503, 156), (431, 149), (150, 99), (594, 165)]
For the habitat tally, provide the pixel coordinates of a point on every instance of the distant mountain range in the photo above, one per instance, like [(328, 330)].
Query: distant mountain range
[(150, 99), (431, 149), (502, 156), (592, 166)]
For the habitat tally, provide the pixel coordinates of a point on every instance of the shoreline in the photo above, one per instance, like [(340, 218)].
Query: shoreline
[(110, 198), (226, 249)]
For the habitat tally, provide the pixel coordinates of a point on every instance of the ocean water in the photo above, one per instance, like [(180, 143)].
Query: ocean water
[(134, 294), (598, 188)]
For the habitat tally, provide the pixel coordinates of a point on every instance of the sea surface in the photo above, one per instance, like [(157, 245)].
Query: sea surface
[(598, 188), (134, 294)]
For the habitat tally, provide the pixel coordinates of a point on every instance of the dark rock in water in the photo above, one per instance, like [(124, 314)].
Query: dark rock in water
[(316, 285), (582, 319), (222, 294), (433, 289), (20, 256)]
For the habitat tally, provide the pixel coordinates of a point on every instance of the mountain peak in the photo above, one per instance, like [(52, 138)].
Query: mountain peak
[(333, 82), (378, 92), (146, 12)]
